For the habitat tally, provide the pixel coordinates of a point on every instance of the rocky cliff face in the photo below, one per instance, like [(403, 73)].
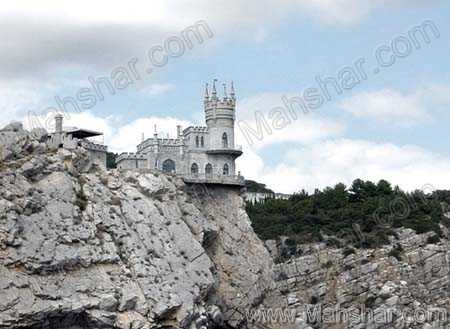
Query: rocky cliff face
[(85, 248), (402, 285)]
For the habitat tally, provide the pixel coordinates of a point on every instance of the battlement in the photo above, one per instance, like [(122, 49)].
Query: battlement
[(212, 100), (220, 103), (130, 156), (148, 143), (93, 146)]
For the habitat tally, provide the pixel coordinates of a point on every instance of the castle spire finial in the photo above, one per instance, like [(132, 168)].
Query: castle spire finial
[(233, 95), (214, 91), (206, 92), (225, 95)]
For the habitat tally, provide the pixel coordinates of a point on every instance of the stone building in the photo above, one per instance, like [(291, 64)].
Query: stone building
[(204, 154), (71, 137)]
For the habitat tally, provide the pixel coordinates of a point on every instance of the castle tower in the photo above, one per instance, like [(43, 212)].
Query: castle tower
[(220, 117)]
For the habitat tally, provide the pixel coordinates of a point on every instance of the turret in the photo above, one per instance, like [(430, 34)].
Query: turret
[(58, 129), (220, 116), (58, 123)]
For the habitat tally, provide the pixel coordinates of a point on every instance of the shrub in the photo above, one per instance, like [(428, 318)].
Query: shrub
[(328, 264), (348, 251), (81, 199), (314, 300), (433, 239), (396, 252), (370, 302)]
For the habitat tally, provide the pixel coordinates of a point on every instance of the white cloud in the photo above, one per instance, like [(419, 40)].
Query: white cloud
[(17, 97), (39, 36), (307, 128), (178, 12), (128, 136), (387, 106), (157, 89), (435, 96), (330, 162), (339, 11)]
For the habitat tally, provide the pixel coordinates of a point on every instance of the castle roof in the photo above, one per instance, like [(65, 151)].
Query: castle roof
[(81, 133)]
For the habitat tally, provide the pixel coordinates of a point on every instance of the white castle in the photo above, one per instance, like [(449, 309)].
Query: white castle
[(198, 154)]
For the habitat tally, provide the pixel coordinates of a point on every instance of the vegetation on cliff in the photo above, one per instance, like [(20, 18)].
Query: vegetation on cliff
[(256, 187), (363, 215)]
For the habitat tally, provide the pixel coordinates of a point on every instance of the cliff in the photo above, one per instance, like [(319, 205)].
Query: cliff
[(404, 284), (84, 248)]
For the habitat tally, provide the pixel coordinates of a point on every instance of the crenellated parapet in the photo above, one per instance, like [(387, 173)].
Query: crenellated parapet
[(130, 156), (88, 145), (212, 99), (151, 144), (219, 107)]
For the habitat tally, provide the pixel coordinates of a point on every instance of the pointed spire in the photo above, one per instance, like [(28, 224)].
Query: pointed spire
[(206, 92), (233, 95), (225, 95), (214, 91)]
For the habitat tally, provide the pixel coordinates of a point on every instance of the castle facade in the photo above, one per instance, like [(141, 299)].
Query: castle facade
[(204, 154)]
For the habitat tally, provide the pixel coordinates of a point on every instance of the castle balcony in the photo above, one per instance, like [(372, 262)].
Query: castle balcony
[(236, 151), (213, 179)]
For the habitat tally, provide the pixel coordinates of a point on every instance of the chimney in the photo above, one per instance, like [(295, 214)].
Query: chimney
[(58, 123)]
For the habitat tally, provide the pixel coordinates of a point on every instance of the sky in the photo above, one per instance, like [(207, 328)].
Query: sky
[(387, 117)]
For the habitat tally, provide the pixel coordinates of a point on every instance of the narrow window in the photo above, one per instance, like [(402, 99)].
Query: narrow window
[(202, 141), (194, 169), (224, 140), (196, 141), (226, 169), (208, 169)]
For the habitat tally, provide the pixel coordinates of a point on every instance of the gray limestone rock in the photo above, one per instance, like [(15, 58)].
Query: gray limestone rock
[(98, 249)]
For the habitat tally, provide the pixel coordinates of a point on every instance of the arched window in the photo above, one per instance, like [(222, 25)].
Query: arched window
[(226, 169), (224, 140), (196, 141), (168, 166), (208, 169), (194, 169), (202, 141)]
